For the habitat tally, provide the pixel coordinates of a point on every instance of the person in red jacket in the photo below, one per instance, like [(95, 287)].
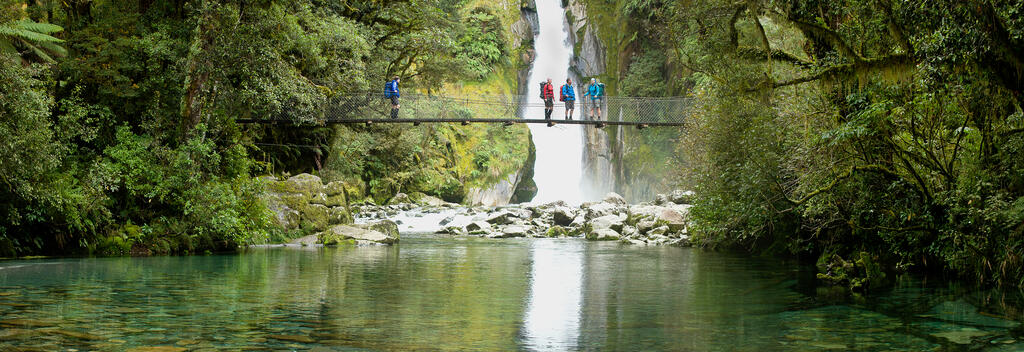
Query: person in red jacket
[(548, 93)]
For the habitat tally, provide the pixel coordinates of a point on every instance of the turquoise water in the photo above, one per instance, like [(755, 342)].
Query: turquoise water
[(431, 293)]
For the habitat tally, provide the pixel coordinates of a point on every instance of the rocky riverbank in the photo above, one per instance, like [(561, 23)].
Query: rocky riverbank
[(304, 204), (660, 222)]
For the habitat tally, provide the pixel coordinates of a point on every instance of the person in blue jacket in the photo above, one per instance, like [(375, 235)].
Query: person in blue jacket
[(391, 92), (595, 90), (568, 95)]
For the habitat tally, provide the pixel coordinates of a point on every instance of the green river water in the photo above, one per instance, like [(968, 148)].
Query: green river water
[(443, 293)]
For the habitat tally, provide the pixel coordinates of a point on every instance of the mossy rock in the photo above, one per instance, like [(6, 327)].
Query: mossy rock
[(557, 231), (339, 215), (315, 217), (335, 188), (387, 227), (340, 233)]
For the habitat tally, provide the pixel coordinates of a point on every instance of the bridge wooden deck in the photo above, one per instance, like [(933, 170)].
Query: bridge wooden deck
[(418, 121)]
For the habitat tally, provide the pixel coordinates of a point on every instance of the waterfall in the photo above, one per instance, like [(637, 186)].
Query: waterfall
[(558, 171)]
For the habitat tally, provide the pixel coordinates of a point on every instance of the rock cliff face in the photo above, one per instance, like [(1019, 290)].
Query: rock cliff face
[(523, 31), (589, 61)]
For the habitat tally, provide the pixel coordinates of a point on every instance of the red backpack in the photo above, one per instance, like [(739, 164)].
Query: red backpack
[(561, 93)]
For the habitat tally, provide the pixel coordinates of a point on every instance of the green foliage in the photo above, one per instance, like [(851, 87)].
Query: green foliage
[(127, 141), (861, 129), (482, 45), (31, 38)]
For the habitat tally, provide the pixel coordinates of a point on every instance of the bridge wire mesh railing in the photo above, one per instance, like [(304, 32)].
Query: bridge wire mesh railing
[(361, 107)]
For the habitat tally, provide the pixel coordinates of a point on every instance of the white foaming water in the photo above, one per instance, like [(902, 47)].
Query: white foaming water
[(558, 171)]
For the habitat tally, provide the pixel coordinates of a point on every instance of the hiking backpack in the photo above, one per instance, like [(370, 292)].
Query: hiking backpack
[(542, 89), (561, 93), (387, 89), (600, 90)]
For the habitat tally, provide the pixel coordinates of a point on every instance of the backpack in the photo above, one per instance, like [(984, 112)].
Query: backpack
[(600, 90), (561, 93), (542, 89), (387, 90)]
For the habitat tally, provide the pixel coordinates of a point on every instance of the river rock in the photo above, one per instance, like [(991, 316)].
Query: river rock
[(596, 210), (478, 227), (400, 198), (452, 230), (431, 201), (613, 222), (303, 183), (508, 216), (446, 220), (658, 231), (605, 234), (514, 231), (562, 215), (340, 233), (645, 225), (681, 197), (614, 198), (630, 231)]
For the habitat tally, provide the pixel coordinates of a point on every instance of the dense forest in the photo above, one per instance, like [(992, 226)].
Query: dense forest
[(875, 136), (118, 117)]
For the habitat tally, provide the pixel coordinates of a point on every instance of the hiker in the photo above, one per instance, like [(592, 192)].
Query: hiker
[(568, 95), (547, 93), (391, 92), (595, 90)]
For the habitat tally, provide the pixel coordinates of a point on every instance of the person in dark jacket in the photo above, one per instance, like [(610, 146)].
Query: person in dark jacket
[(391, 92), (569, 97), (548, 93)]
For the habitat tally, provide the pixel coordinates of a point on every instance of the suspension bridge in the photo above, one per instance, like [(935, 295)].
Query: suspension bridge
[(371, 107)]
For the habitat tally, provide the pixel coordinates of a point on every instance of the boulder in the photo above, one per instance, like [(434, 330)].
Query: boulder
[(315, 217), (645, 225), (334, 188), (387, 227), (596, 210), (681, 197), (630, 231), (513, 231), (446, 221), (612, 222), (340, 234), (400, 198), (614, 198), (452, 230), (658, 231), (338, 216), (603, 235), (431, 201), (661, 199), (508, 216), (478, 227), (563, 215), (302, 183), (674, 217)]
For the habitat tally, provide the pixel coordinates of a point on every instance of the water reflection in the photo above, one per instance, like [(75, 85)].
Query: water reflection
[(456, 294), (556, 282)]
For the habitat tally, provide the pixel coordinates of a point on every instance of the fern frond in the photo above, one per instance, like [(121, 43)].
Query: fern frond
[(44, 28)]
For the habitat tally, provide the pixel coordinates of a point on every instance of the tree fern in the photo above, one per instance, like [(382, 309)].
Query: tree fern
[(31, 40)]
